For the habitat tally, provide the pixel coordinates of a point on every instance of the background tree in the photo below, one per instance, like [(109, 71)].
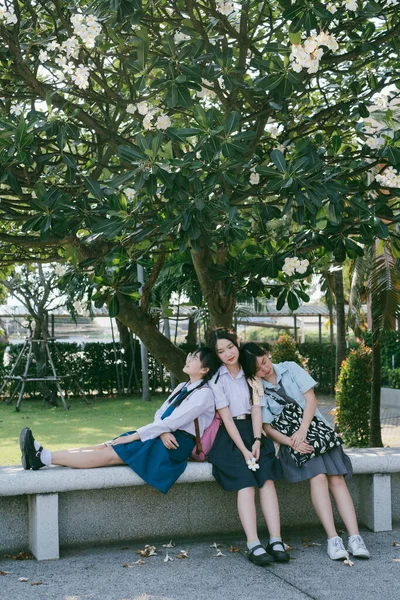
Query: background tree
[(141, 129)]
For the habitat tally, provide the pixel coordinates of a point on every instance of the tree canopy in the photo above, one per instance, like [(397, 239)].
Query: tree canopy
[(237, 132)]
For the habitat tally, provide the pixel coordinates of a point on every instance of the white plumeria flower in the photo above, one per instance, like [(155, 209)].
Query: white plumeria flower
[(61, 61), (375, 142), (163, 122), (43, 56), (169, 545), (69, 68), (224, 7), (54, 45), (181, 37), (302, 266), (143, 108), (392, 2), (254, 178), (17, 110), (167, 557), (389, 178), (351, 5), (8, 16), (148, 122), (130, 193), (332, 9), (253, 464), (273, 129), (219, 553), (215, 545), (131, 109)]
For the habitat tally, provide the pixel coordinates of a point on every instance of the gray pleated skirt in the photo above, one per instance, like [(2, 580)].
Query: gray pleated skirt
[(333, 462)]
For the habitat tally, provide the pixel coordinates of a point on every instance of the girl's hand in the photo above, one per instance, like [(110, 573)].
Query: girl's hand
[(298, 437), (125, 439), (303, 448), (247, 455), (255, 449), (169, 440)]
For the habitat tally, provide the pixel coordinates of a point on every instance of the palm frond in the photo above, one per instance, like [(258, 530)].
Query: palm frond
[(384, 288)]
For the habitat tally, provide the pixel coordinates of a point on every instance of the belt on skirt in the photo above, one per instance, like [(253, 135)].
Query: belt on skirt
[(241, 417)]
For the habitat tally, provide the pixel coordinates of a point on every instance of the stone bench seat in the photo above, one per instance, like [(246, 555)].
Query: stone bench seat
[(60, 506)]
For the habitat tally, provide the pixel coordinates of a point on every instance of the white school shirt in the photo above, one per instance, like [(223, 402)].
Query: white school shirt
[(199, 404), (296, 382), (232, 391)]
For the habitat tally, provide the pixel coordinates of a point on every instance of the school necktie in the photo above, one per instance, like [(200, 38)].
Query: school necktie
[(172, 406)]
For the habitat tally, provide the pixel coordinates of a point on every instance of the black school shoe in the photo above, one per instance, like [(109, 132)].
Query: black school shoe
[(30, 456), (261, 560), (278, 555)]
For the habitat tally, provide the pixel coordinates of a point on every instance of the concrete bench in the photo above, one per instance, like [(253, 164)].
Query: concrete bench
[(54, 507)]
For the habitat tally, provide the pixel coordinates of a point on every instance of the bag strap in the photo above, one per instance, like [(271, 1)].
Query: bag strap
[(199, 447)]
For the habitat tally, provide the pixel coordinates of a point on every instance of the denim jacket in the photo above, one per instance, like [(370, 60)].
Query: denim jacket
[(295, 381)]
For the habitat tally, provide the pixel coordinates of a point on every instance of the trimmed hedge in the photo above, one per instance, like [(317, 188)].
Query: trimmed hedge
[(94, 367), (353, 397), (320, 359)]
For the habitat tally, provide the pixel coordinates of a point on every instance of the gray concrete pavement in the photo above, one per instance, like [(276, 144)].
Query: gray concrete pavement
[(100, 574), (390, 420)]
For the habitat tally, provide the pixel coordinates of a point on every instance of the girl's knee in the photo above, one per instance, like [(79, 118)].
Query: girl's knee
[(336, 481), (321, 478)]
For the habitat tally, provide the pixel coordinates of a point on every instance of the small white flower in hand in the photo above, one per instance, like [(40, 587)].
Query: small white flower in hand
[(253, 464)]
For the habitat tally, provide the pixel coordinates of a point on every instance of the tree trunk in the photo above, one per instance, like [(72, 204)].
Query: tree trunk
[(375, 434), (340, 322), (191, 338), (158, 345), (220, 304)]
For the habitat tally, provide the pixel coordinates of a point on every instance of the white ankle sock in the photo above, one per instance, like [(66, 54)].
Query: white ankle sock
[(45, 455), (277, 541), (253, 544)]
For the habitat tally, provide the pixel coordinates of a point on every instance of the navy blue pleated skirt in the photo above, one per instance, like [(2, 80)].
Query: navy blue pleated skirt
[(229, 467), (153, 462)]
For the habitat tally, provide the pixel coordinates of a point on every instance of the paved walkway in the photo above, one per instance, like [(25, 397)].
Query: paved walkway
[(114, 574), (390, 420)]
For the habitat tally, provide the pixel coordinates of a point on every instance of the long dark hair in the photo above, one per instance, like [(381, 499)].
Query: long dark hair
[(248, 354), (208, 361), (222, 333)]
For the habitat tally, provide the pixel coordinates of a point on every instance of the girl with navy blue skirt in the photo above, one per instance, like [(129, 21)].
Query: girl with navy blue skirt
[(242, 458), (288, 383), (157, 452)]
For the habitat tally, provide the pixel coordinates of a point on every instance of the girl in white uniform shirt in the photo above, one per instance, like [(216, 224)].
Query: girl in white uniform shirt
[(240, 440), (157, 452)]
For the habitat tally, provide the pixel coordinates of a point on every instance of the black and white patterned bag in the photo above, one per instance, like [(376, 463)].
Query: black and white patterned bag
[(319, 435)]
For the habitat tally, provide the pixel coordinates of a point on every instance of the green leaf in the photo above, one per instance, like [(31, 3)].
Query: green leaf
[(143, 51), (232, 122), (336, 143), (93, 187), (292, 300), (130, 153), (113, 306), (279, 160), (281, 300)]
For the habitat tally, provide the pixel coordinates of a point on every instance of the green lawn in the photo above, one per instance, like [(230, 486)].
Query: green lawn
[(81, 425)]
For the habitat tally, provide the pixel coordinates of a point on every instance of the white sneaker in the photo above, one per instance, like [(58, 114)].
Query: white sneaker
[(357, 547), (336, 550)]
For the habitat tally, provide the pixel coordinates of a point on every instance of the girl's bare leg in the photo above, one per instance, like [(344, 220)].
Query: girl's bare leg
[(270, 508), (344, 503), (87, 458), (322, 503), (247, 512)]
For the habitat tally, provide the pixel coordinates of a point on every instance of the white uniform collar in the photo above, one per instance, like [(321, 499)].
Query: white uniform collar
[(224, 369)]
